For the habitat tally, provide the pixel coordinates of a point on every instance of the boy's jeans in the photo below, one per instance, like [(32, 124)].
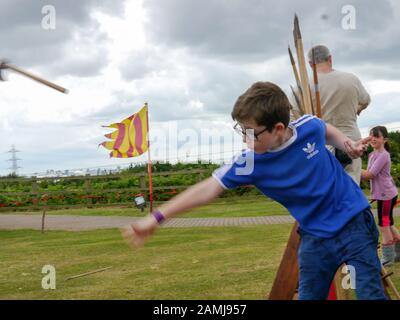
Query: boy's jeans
[(356, 245)]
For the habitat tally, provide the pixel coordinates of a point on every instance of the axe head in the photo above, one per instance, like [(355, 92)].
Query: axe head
[(2, 67)]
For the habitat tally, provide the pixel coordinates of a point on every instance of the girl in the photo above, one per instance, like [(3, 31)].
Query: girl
[(384, 191)]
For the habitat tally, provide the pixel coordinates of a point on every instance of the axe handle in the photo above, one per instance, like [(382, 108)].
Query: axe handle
[(36, 78)]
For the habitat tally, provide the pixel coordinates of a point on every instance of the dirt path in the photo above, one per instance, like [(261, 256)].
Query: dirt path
[(79, 223)]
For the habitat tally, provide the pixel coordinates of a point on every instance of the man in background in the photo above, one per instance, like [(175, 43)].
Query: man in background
[(343, 97)]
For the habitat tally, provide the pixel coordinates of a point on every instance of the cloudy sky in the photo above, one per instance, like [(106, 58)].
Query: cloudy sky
[(188, 59)]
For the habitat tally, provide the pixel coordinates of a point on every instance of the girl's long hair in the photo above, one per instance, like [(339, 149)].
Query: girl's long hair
[(381, 130)]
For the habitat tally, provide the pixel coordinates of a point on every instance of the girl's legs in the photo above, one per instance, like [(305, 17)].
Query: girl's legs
[(385, 215)]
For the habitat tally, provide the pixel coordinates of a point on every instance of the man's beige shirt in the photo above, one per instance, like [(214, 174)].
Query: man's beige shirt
[(341, 95)]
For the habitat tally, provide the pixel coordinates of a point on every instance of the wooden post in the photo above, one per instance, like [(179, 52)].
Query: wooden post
[(44, 199), (142, 184), (35, 192), (88, 191), (287, 277)]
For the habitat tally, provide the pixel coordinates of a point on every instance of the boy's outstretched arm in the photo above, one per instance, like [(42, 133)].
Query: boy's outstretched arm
[(336, 138), (199, 194)]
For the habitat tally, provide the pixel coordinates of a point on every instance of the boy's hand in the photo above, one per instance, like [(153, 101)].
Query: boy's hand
[(355, 149), (136, 234)]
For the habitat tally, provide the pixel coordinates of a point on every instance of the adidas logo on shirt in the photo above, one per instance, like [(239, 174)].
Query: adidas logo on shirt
[(310, 150)]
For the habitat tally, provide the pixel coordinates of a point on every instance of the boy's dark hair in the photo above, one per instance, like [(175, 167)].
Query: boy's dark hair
[(381, 130), (265, 103)]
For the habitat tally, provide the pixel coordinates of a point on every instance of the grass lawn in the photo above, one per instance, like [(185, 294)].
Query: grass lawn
[(196, 263), (189, 263)]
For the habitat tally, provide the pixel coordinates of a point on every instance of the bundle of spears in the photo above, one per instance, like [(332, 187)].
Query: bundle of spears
[(303, 93)]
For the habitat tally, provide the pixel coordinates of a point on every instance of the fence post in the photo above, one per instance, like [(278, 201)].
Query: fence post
[(35, 192), (44, 200), (88, 190), (142, 183)]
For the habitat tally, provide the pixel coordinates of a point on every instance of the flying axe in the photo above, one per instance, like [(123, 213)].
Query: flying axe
[(5, 65)]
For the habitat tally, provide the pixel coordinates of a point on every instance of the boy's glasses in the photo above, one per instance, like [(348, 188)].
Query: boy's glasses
[(249, 133)]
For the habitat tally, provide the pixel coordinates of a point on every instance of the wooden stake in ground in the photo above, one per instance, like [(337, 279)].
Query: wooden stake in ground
[(88, 273), (44, 199), (287, 277)]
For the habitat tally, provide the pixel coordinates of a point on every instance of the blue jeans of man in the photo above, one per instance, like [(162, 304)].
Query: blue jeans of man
[(356, 246)]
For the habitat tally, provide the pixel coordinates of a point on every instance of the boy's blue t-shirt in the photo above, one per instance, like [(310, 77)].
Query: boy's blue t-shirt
[(302, 175)]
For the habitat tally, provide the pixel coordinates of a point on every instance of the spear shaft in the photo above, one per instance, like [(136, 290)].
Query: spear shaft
[(302, 66), (293, 62), (299, 97), (300, 112)]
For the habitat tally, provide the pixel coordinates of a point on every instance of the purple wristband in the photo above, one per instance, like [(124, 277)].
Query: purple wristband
[(158, 216)]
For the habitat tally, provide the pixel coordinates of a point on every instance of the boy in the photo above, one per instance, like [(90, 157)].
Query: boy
[(290, 164)]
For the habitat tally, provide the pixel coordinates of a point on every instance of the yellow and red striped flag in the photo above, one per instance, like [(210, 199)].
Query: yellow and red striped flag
[(130, 138)]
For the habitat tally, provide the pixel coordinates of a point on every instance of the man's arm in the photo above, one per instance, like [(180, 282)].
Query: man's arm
[(361, 107), (199, 194), (336, 138)]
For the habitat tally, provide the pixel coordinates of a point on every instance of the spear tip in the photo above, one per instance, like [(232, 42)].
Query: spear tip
[(296, 30)]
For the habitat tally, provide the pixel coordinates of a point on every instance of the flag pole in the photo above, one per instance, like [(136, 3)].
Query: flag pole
[(149, 161)]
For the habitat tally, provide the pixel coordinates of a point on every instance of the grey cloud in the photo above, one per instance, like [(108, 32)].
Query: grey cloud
[(25, 43), (141, 63), (173, 94), (256, 30), (231, 29), (255, 27)]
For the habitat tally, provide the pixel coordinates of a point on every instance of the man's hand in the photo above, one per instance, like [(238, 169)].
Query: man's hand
[(355, 149), (136, 234)]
